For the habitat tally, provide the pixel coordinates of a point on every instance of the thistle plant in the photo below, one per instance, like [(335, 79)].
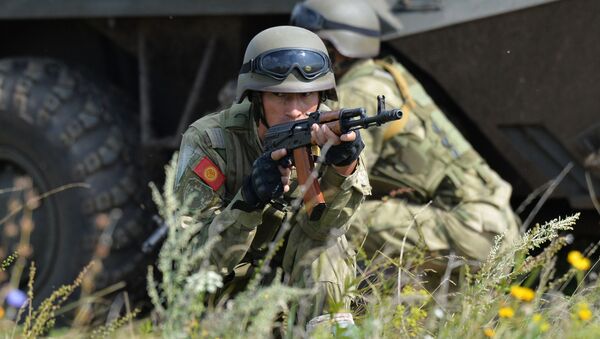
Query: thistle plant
[(41, 319), (185, 275)]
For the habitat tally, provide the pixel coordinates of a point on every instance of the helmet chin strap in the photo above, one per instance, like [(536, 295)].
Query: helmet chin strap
[(258, 111)]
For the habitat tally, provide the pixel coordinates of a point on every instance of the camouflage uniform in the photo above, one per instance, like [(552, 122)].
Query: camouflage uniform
[(446, 196), (315, 252)]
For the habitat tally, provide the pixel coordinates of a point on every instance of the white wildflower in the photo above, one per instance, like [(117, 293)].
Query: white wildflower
[(204, 281)]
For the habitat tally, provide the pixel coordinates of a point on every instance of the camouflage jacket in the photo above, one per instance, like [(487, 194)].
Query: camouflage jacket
[(216, 155), (423, 154)]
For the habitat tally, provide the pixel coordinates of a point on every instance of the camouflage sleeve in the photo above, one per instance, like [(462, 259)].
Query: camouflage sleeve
[(198, 200), (204, 204), (236, 229), (343, 195)]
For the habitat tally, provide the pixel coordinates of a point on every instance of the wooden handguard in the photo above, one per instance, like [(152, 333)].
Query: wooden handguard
[(314, 202), (332, 120), (329, 116)]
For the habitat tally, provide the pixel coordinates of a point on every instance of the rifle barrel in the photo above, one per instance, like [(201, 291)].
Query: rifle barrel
[(379, 119)]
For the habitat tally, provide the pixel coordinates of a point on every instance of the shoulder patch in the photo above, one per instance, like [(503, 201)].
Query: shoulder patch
[(210, 173), (217, 140)]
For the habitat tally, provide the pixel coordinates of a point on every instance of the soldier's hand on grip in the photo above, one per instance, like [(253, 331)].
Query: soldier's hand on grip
[(346, 147), (268, 180), (344, 153)]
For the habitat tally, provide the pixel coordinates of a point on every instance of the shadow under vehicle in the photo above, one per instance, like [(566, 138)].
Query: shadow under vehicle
[(97, 94)]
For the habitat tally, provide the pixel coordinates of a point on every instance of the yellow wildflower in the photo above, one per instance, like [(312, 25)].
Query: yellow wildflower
[(489, 332), (522, 293), (542, 324), (584, 312), (1, 312), (506, 312), (577, 260)]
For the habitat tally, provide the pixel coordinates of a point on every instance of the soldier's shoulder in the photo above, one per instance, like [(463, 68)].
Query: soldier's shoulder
[(211, 120), (201, 159), (209, 130), (198, 134), (367, 77)]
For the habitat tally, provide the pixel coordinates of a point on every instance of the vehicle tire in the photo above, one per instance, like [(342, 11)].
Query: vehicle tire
[(62, 130)]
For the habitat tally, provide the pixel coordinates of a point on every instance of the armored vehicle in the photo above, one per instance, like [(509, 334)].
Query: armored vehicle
[(95, 95)]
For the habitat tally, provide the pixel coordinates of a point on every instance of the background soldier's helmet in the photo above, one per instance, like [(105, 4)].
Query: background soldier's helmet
[(286, 59), (351, 26)]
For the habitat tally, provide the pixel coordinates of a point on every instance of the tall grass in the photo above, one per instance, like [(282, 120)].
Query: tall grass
[(32, 320), (514, 293)]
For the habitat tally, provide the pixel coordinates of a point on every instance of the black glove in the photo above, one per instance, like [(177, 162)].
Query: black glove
[(264, 183), (346, 152)]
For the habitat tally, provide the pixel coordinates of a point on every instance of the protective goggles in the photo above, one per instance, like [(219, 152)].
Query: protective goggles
[(305, 17), (279, 63)]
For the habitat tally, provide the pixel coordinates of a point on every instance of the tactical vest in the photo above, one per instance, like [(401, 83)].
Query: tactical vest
[(427, 154)]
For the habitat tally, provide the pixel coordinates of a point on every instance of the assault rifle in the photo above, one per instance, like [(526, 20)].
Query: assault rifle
[(295, 136)]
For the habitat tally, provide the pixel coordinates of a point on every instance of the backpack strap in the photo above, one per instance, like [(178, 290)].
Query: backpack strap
[(397, 126)]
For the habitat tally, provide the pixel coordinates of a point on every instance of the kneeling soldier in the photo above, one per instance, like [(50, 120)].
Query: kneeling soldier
[(286, 73)]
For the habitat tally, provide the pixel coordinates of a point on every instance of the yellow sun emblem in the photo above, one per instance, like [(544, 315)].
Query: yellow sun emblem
[(210, 173)]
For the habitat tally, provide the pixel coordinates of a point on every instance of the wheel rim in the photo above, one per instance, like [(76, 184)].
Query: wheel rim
[(44, 238)]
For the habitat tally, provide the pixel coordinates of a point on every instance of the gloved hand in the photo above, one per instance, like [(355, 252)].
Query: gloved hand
[(346, 152), (265, 181)]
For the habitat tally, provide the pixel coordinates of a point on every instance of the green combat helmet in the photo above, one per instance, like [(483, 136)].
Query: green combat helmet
[(286, 59), (351, 26)]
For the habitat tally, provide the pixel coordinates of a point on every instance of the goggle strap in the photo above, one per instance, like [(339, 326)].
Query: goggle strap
[(247, 67), (300, 9), (327, 24)]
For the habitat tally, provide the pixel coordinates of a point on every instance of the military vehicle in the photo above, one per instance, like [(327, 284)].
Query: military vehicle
[(95, 95)]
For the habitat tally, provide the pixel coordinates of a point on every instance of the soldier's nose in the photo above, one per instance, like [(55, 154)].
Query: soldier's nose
[(294, 114)]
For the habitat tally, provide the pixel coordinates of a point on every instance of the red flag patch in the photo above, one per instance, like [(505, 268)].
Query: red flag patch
[(210, 173)]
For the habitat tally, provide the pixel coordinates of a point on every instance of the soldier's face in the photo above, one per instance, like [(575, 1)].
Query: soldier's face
[(284, 107)]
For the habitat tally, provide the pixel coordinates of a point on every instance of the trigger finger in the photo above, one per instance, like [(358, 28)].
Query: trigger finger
[(285, 171), (278, 154)]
